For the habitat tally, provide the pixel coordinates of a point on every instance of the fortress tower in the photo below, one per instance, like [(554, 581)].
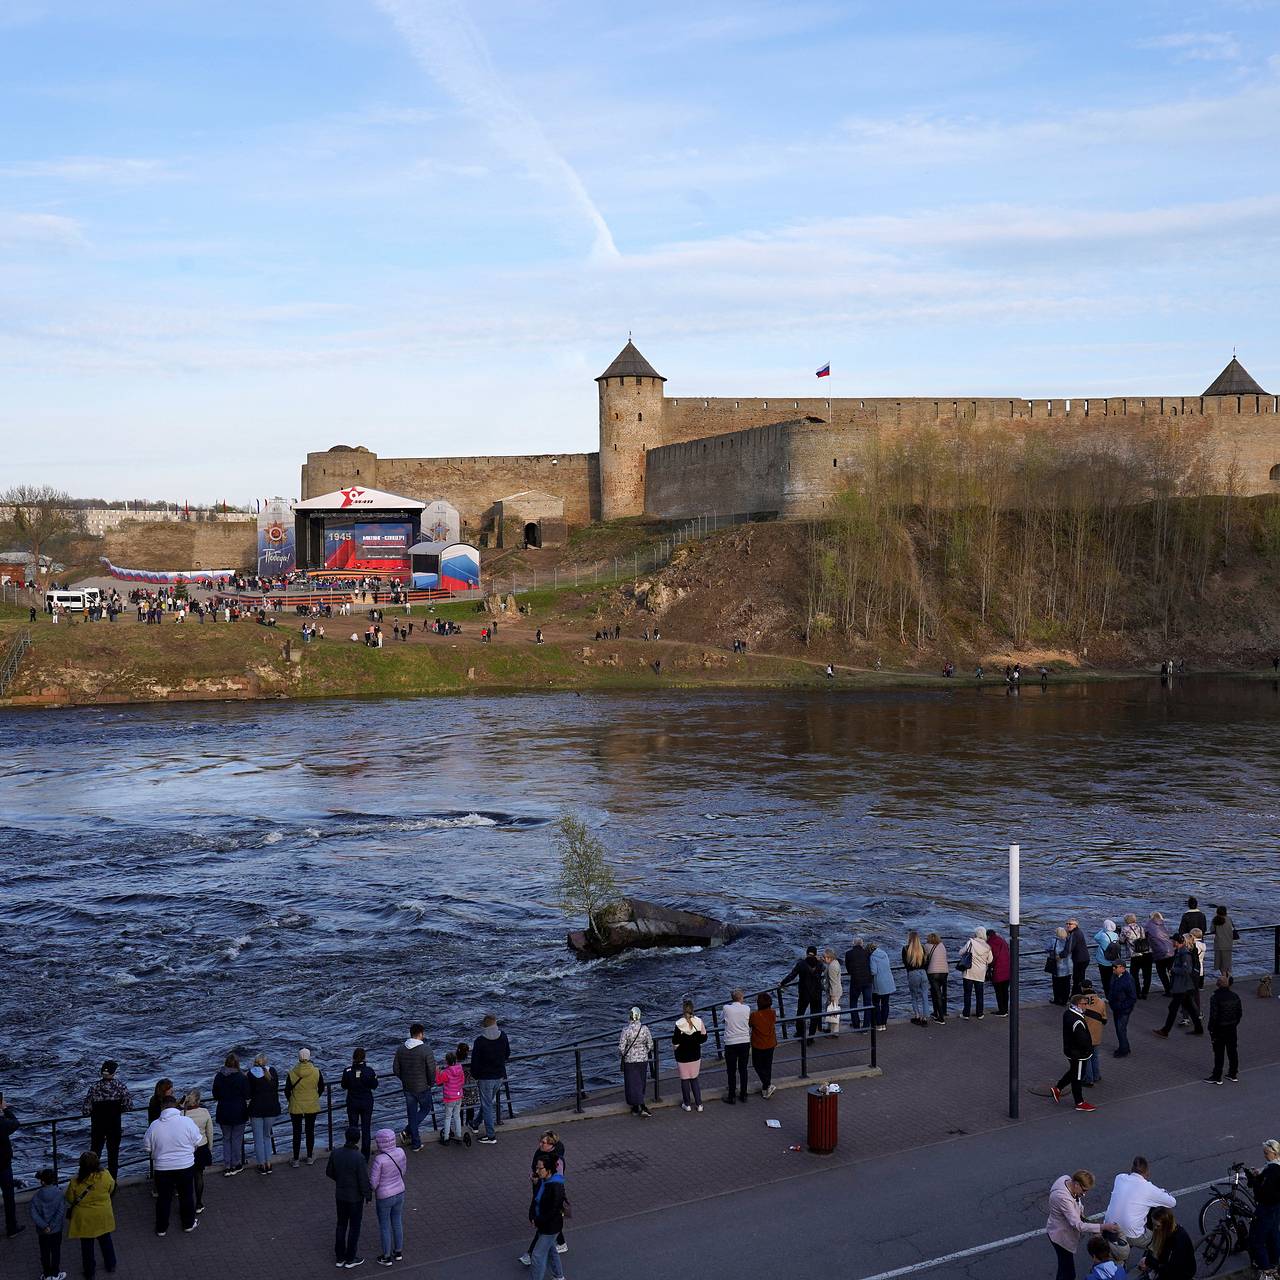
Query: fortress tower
[(631, 418)]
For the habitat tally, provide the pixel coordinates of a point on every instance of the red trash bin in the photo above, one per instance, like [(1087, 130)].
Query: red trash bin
[(824, 1117)]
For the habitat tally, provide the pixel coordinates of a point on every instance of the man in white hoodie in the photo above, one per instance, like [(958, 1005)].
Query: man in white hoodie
[(171, 1143)]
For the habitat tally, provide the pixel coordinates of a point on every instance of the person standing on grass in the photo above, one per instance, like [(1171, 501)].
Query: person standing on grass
[(48, 1213), (917, 979), (1225, 1012), (974, 961), (304, 1087), (689, 1036), (171, 1143), (937, 967), (1123, 998), (360, 1080), (882, 983), (999, 971), (489, 1067), (635, 1047), (1181, 989), (415, 1067), (231, 1094), (88, 1196), (352, 1190), (764, 1040), (1077, 1045), (386, 1177), (1067, 1224)]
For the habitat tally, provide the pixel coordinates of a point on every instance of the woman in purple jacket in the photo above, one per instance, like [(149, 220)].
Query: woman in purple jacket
[(1161, 948)]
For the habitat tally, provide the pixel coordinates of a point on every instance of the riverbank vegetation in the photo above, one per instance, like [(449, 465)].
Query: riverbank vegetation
[(1052, 536)]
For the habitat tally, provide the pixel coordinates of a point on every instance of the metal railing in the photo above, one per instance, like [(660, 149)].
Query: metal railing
[(594, 1059), (18, 646)]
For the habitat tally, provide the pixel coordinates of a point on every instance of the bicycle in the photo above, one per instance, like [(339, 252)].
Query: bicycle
[(1226, 1219)]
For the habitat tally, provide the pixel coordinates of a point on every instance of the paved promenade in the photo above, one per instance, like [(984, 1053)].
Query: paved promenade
[(928, 1165)]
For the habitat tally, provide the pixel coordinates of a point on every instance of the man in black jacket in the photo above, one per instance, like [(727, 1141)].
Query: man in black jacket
[(546, 1216), (1077, 1044), (1078, 950), (489, 1057), (1182, 985), (352, 1191), (1193, 918), (807, 972), (1225, 1012), (857, 960), (8, 1126)]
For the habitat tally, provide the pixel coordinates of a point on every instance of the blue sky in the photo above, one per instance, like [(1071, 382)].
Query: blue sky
[(233, 232)]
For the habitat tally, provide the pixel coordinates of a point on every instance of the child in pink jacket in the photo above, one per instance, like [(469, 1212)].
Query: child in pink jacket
[(451, 1079)]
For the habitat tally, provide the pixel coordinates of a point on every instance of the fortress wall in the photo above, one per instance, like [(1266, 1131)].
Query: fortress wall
[(739, 471), (472, 485)]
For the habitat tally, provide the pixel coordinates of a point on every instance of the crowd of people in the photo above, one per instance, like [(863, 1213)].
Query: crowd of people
[(1139, 1233)]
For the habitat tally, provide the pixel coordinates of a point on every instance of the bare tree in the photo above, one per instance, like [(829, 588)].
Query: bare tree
[(40, 520)]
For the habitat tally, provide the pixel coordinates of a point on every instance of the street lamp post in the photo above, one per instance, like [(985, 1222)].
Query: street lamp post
[(1014, 913)]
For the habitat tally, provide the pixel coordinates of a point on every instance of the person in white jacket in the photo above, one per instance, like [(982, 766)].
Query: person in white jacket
[(171, 1142), (975, 959), (1133, 1196)]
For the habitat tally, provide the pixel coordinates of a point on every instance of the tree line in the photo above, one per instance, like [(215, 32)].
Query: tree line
[(1053, 533)]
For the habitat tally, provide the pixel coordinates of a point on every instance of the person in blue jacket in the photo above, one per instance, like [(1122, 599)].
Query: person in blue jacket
[(1106, 951), (882, 983), (1123, 997)]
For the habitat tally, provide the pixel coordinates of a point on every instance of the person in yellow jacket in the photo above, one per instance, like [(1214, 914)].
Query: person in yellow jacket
[(304, 1086), (89, 1213)]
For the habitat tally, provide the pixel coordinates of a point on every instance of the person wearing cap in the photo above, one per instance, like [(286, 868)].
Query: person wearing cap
[(1123, 999), (104, 1104), (635, 1046), (303, 1088), (352, 1190)]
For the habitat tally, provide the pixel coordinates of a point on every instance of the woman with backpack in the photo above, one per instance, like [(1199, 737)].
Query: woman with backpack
[(1106, 951)]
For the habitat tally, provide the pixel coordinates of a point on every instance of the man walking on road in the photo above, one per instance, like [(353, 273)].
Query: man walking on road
[(1225, 1012), (1181, 990), (489, 1057), (1095, 1016), (737, 1046), (415, 1067), (1123, 998), (1077, 1045), (1133, 1196)]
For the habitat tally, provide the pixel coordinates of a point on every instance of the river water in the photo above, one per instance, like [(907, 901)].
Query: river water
[(178, 881)]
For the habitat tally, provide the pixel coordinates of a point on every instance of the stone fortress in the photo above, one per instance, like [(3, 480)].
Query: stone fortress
[(675, 457)]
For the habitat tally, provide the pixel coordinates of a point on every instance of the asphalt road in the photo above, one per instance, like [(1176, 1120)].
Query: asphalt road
[(929, 1202)]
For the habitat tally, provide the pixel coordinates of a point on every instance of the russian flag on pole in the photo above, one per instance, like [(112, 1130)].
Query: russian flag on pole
[(825, 371)]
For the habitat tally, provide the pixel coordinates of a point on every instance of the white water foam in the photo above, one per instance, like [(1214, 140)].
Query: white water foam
[(235, 947)]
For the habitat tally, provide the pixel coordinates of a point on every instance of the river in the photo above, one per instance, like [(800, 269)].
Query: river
[(181, 880)]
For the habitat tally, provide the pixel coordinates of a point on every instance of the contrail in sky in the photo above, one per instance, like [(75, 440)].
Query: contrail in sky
[(447, 43)]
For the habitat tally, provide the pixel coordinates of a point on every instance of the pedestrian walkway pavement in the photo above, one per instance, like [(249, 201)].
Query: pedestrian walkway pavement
[(928, 1164)]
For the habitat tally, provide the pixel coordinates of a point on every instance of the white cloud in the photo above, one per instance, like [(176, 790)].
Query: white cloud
[(1201, 46), (114, 169), (41, 228), (450, 47)]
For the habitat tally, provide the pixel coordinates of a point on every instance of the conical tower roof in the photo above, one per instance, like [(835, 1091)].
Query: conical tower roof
[(629, 363), (1234, 380)]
